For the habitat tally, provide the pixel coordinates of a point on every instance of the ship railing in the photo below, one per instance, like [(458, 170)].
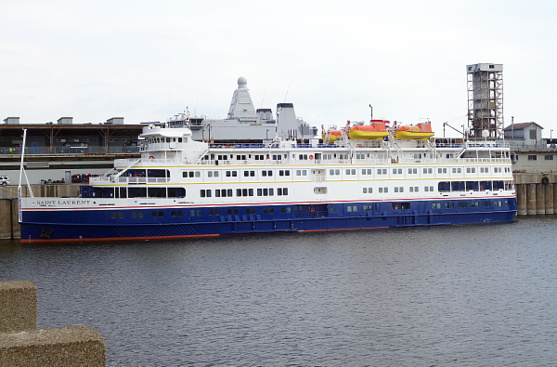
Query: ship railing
[(129, 180)]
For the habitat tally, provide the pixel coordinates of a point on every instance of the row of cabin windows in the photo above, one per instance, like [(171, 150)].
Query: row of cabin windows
[(448, 186), (249, 211), (165, 140), (534, 157), (200, 212), (207, 193), (138, 192), (245, 157), (347, 171), (250, 173), (303, 208), (473, 185), (331, 156)]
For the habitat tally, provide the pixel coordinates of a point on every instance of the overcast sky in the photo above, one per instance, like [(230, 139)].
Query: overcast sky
[(147, 60)]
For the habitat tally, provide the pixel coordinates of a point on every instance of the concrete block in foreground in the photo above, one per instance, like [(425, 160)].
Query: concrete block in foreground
[(61, 347), (18, 306)]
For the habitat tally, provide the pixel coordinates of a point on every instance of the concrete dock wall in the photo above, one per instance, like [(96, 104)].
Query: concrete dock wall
[(536, 193), (23, 345)]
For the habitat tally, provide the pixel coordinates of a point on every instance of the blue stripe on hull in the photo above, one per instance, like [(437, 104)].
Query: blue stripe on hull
[(94, 225)]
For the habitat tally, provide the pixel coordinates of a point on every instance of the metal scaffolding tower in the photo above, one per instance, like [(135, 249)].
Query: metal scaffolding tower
[(485, 100)]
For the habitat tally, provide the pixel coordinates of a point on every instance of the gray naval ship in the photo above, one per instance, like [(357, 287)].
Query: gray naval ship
[(246, 124)]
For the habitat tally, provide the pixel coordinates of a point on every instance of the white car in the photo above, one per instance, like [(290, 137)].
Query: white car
[(4, 180)]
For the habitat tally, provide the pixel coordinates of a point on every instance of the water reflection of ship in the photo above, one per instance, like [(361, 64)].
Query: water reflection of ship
[(246, 124)]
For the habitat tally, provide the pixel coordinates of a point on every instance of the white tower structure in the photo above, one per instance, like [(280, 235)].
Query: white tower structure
[(485, 100), (241, 106)]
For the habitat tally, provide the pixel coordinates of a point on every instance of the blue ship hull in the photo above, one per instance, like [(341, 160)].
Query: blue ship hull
[(191, 222)]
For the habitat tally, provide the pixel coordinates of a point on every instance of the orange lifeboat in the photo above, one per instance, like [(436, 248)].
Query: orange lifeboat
[(331, 136), (375, 131), (421, 131)]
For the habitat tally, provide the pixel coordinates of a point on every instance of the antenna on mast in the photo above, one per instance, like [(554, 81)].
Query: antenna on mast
[(287, 90)]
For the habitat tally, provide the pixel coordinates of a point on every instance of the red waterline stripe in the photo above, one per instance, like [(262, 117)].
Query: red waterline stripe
[(23, 240)]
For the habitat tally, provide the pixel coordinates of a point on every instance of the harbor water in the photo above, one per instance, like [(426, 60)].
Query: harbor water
[(444, 296)]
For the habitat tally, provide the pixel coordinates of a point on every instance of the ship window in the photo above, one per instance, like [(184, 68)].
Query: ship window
[(176, 213), (214, 211), (251, 211), (282, 191), (474, 204), (176, 192), (498, 185), (444, 186), (249, 173), (319, 190), (158, 173), (457, 186), (436, 205), (195, 213), (485, 185), (284, 172), (532, 157), (232, 211), (231, 173), (156, 192), (213, 174), (190, 174), (548, 157), (367, 171), (137, 192), (286, 210), (457, 170), (427, 171), (472, 185), (470, 169), (414, 189), (442, 170), (120, 215), (157, 213), (205, 193), (268, 210), (412, 171), (486, 203), (462, 204)]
